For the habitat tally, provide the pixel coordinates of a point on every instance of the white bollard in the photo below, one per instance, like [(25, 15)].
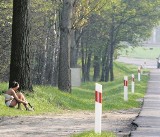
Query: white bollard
[(139, 74), (125, 88), (98, 108), (132, 83)]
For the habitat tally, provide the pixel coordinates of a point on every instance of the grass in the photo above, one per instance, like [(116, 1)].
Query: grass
[(141, 52), (92, 134), (47, 99)]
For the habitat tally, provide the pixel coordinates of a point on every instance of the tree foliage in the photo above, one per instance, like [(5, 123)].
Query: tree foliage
[(98, 29)]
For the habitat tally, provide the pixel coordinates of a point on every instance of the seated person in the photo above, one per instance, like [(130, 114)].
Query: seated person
[(12, 98)]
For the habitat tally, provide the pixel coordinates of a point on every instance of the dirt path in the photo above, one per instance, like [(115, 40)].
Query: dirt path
[(64, 125)]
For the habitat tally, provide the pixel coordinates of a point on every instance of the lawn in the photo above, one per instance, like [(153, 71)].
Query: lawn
[(141, 52), (47, 99), (92, 134)]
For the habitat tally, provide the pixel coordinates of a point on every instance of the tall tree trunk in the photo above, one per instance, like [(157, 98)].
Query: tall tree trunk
[(45, 59), (38, 67), (54, 79), (104, 58), (73, 50), (83, 64), (107, 67), (103, 69), (112, 42), (111, 51), (20, 49), (76, 42), (96, 67), (111, 63), (88, 64), (64, 78)]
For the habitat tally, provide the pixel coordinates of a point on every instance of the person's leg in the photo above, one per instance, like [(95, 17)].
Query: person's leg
[(21, 97)]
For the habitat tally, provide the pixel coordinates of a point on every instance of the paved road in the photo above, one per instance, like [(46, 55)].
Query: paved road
[(149, 119), (146, 63)]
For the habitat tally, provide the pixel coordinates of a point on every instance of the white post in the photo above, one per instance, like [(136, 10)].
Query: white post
[(125, 88), (98, 108), (132, 83), (139, 74)]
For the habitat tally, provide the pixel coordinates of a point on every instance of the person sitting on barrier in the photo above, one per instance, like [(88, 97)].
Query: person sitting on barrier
[(12, 97)]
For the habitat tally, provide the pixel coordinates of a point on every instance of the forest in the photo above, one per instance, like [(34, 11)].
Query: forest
[(40, 40)]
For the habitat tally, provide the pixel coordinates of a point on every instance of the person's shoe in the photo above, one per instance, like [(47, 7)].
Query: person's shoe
[(31, 106), (29, 109)]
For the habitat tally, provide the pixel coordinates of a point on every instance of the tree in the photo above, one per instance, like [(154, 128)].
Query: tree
[(20, 48), (5, 38), (45, 41), (64, 76), (129, 21), (83, 9)]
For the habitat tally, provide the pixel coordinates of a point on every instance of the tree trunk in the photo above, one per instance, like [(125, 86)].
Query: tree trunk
[(45, 59), (20, 49), (107, 67), (104, 63), (88, 64), (112, 42), (64, 78), (103, 69), (76, 42), (111, 52), (73, 50), (96, 67), (111, 63), (83, 63), (37, 71), (54, 79)]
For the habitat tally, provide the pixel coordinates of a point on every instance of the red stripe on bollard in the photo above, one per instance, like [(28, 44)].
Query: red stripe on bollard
[(125, 83), (98, 97)]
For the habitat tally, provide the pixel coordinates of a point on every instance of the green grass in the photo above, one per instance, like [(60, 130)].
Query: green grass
[(47, 99), (92, 134), (141, 52)]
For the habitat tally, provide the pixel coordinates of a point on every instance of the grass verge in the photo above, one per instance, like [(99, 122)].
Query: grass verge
[(47, 99), (92, 134)]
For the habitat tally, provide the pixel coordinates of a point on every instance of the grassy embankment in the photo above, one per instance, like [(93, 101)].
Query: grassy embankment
[(47, 99)]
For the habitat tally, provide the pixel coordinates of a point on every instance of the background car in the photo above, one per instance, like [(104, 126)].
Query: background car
[(158, 62)]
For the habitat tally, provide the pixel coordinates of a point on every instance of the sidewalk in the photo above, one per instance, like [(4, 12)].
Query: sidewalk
[(149, 119)]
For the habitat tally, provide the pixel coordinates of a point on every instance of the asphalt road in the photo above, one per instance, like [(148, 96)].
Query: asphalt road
[(146, 63), (149, 119)]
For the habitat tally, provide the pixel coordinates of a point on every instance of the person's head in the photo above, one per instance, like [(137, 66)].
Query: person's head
[(14, 84)]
